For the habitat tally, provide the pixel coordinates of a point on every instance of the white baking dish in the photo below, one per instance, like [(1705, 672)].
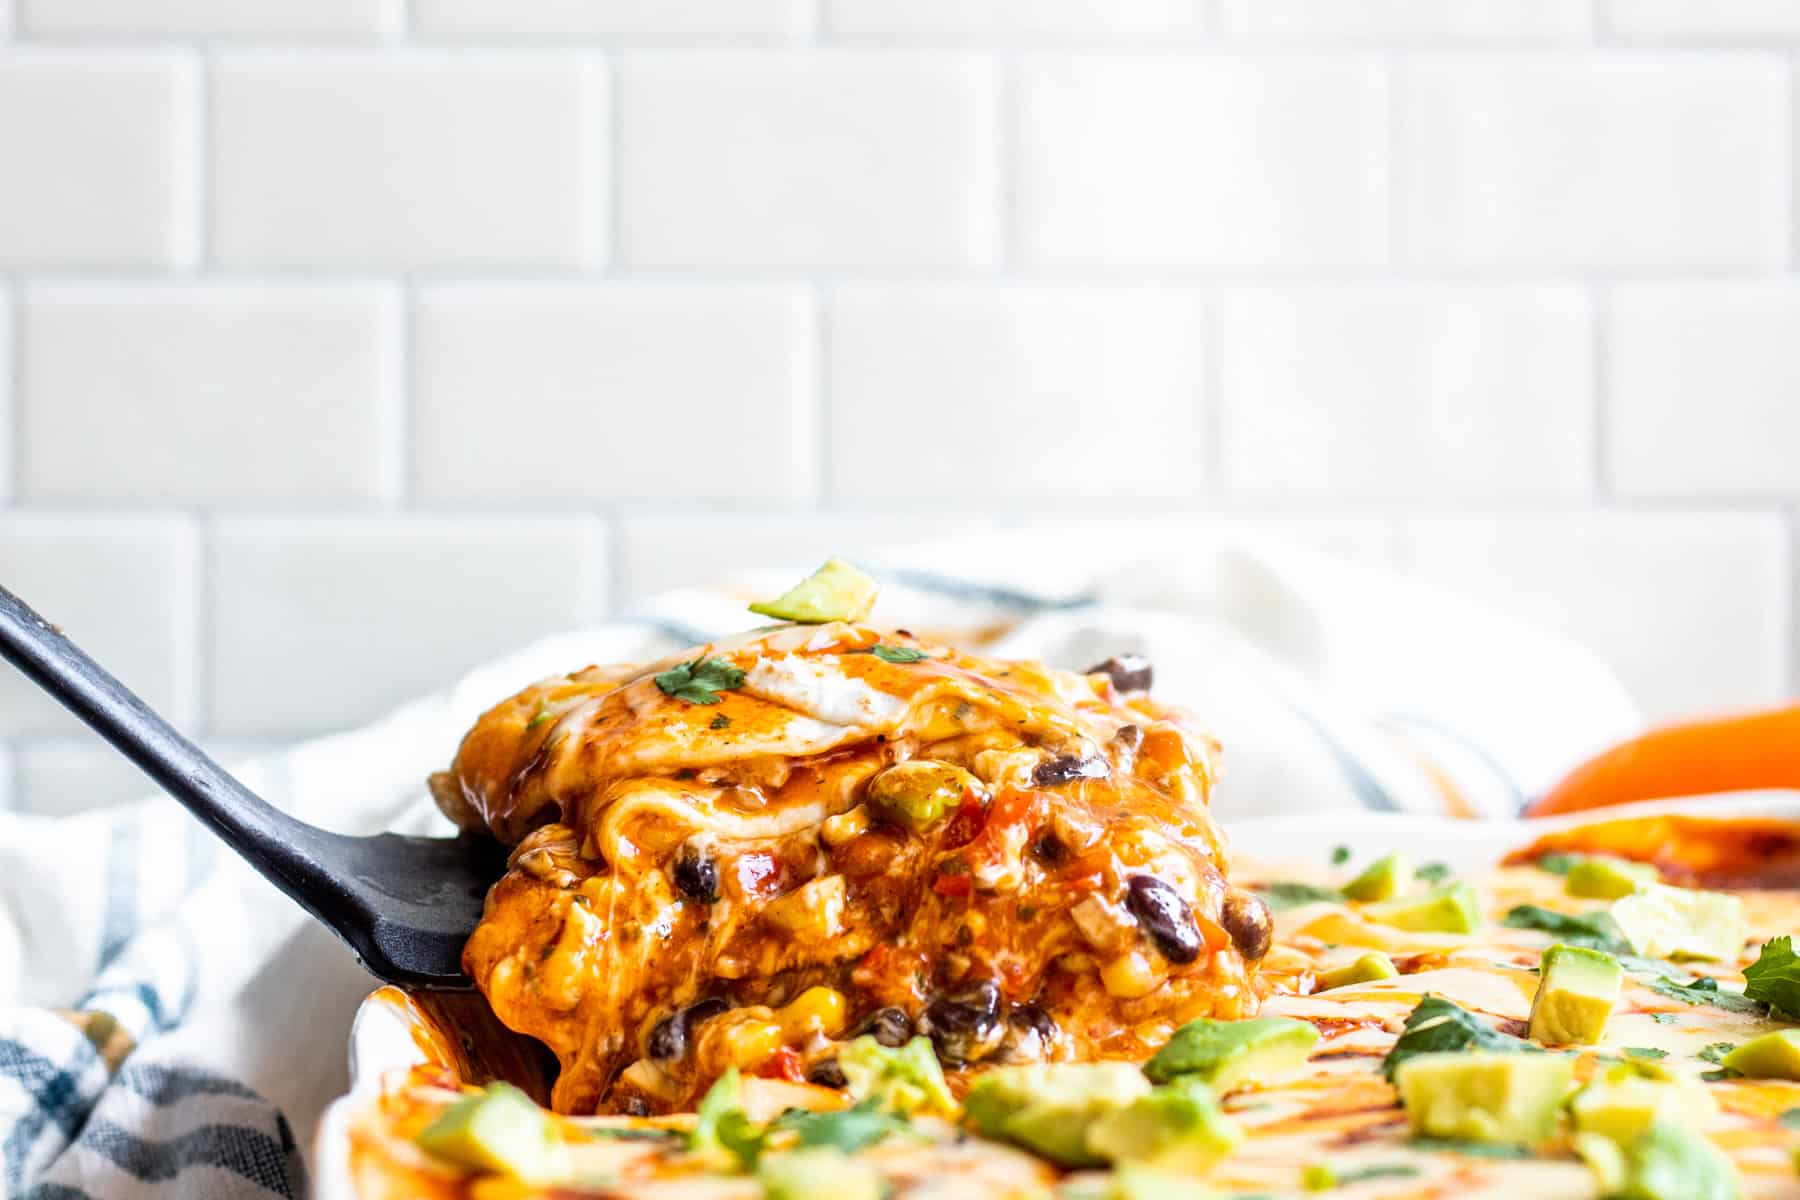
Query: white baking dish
[(382, 1038)]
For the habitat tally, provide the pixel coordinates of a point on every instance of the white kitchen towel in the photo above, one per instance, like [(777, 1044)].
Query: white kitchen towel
[(161, 1007)]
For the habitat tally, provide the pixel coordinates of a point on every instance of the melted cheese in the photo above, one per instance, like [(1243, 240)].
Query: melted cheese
[(606, 783), (1338, 1112)]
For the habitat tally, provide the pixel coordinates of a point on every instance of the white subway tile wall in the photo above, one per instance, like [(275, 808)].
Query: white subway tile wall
[(126, 391), (345, 343), (326, 18)]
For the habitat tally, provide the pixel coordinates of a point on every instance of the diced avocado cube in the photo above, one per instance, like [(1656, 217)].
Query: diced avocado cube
[(1129, 1181), (836, 591), (1771, 1056), (1366, 969), (1577, 989), (906, 1079), (818, 1173), (1673, 1162), (1317, 1177), (1606, 1159), (1224, 1054), (1452, 908), (918, 794), (1049, 1108), (1483, 1096), (1671, 922), (1177, 1127), (499, 1131), (1382, 879), (1621, 1103), (1605, 878)]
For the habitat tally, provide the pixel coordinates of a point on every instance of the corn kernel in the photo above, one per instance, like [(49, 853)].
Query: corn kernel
[(1129, 976), (816, 1010)]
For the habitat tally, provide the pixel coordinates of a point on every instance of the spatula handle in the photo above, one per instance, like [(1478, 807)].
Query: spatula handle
[(269, 839)]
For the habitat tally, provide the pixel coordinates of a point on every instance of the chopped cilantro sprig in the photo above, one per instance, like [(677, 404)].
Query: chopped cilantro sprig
[(1596, 931), (700, 681), (1437, 1026), (1774, 978)]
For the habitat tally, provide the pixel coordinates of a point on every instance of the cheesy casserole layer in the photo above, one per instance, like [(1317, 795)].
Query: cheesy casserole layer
[(748, 855)]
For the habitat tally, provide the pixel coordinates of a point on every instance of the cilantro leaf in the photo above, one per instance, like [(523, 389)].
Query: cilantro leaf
[(899, 654), (1286, 894), (1375, 1171), (1663, 1018), (1433, 873), (1437, 1026), (1645, 1052), (1704, 990), (1558, 863), (1715, 1052), (1595, 931), (1774, 978), (723, 1131), (1340, 855), (1790, 1119), (849, 1129), (700, 681)]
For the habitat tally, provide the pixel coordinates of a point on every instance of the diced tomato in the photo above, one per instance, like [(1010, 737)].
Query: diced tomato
[(759, 874), (966, 823), (952, 885), (783, 1064), (1011, 820), (1212, 933)]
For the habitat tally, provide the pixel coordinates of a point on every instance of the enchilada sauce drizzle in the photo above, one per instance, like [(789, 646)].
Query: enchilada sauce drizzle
[(1017, 862)]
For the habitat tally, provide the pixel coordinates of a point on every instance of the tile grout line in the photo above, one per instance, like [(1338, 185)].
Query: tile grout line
[(1790, 128), (1007, 169), (1600, 405), (1212, 397), (12, 393), (819, 407), (199, 654), (395, 397), (615, 164), (197, 253), (1399, 244)]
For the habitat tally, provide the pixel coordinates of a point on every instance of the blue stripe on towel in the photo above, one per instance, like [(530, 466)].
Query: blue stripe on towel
[(1474, 749), (249, 1153), (119, 918), (1368, 789), (56, 1096), (164, 1085), (56, 1191)]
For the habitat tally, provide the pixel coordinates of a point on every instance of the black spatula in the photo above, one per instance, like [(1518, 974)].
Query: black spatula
[(404, 905)]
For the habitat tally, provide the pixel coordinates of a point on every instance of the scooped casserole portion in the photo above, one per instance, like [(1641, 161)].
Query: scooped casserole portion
[(770, 849)]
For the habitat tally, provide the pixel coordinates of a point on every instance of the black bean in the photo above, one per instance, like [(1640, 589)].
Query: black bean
[(1246, 918), (965, 1025), (697, 875), (1049, 849), (669, 1040), (1165, 916), (1129, 672), (1030, 1016), (1030, 1035), (1067, 768), (889, 1026), (827, 1073)]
